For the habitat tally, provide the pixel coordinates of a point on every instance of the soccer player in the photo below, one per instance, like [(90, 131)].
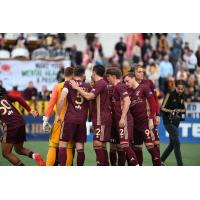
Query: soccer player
[(139, 76), (143, 122), (74, 124), (13, 129), (123, 118), (101, 113), (56, 129)]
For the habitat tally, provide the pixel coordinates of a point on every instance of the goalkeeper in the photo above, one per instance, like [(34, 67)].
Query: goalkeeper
[(51, 158)]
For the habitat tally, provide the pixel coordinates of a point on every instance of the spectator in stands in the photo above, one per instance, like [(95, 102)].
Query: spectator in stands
[(2, 88), (198, 56), (62, 37), (44, 94), (190, 60), (192, 89), (40, 53), (162, 45), (50, 38), (136, 53), (120, 49), (197, 43), (15, 92), (197, 74), (97, 51), (61, 74), (182, 74), (89, 39), (177, 46), (30, 93), (147, 36), (75, 56), (87, 57), (169, 84), (126, 67), (20, 51), (147, 52), (166, 69), (153, 72)]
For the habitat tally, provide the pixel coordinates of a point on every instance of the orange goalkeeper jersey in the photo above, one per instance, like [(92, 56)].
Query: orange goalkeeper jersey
[(56, 93)]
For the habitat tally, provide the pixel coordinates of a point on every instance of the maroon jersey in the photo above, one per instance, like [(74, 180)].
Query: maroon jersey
[(139, 105), (119, 92), (101, 112), (9, 115), (77, 106), (150, 84)]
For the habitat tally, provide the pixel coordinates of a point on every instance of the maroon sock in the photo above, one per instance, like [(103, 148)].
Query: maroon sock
[(157, 147), (62, 156), (30, 155), (106, 157), (80, 157), (139, 155), (113, 157), (155, 157), (132, 160), (121, 158), (100, 156)]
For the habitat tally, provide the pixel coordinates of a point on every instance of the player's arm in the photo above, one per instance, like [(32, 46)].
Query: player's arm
[(61, 102), (152, 105), (86, 95), (23, 103), (49, 110)]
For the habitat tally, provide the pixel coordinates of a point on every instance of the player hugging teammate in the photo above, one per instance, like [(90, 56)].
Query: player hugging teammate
[(120, 116)]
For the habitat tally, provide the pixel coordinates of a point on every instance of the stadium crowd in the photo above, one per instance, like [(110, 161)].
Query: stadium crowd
[(163, 64)]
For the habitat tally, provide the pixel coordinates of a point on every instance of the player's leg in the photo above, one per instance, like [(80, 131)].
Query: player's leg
[(20, 149), (156, 140), (167, 151), (80, 153), (125, 136), (139, 153), (7, 154), (62, 154), (70, 153), (99, 140), (106, 154), (121, 156), (150, 147), (113, 154), (52, 153)]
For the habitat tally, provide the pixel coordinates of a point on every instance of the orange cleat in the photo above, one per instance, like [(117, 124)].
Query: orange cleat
[(39, 160)]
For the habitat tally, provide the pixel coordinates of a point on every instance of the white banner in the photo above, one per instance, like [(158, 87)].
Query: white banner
[(193, 110), (19, 73)]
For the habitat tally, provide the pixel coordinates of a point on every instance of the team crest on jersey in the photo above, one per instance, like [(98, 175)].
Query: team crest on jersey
[(137, 93)]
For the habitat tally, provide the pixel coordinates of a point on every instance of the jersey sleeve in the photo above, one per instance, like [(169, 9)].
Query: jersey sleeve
[(147, 92), (52, 102), (66, 87), (21, 101), (122, 90), (97, 88)]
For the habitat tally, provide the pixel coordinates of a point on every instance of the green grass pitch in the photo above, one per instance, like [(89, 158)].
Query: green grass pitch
[(190, 153)]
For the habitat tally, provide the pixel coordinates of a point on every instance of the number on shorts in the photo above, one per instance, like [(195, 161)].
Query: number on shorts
[(147, 132), (98, 130), (121, 132)]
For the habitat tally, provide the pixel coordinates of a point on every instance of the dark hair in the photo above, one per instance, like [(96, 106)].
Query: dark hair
[(180, 82), (113, 71), (69, 71), (99, 70), (187, 48), (79, 71)]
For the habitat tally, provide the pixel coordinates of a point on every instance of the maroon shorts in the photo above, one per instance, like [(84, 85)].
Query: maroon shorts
[(114, 138), (75, 132), (13, 136), (125, 134), (102, 132)]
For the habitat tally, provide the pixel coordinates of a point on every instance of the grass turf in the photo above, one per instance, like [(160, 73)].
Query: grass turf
[(190, 154)]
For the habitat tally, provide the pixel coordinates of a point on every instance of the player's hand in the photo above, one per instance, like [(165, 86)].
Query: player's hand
[(157, 120), (74, 84), (46, 127), (151, 125), (121, 123), (34, 113)]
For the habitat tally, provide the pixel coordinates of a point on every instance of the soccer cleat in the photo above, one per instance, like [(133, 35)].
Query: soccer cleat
[(39, 160), (162, 163)]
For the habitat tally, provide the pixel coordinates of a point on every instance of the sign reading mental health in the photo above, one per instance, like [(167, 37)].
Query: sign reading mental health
[(14, 72)]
